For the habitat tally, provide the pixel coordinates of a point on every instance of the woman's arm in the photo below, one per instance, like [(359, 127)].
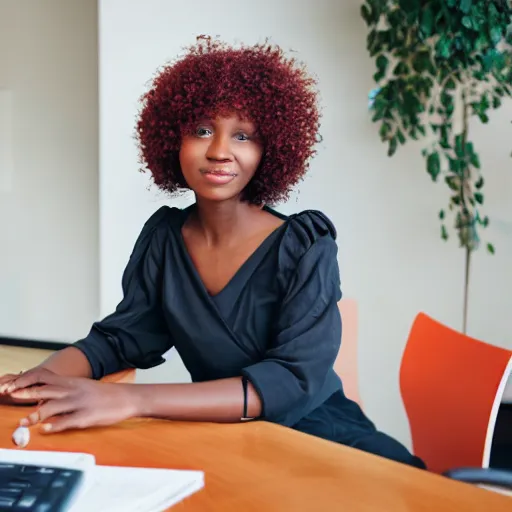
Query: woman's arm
[(69, 402), (217, 401), (68, 362)]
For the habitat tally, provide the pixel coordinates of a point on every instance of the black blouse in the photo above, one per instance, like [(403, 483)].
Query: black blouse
[(276, 321)]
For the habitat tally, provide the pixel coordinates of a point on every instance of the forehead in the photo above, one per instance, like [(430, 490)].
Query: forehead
[(230, 120)]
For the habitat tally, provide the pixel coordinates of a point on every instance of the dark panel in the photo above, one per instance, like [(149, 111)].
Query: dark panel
[(45, 345)]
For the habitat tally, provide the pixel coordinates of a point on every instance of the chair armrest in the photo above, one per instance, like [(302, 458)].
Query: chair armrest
[(123, 377), (483, 476)]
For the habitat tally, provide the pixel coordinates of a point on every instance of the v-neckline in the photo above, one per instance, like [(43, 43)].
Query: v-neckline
[(260, 250)]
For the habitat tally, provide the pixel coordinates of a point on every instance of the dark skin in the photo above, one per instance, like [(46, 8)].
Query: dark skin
[(223, 231), (218, 160)]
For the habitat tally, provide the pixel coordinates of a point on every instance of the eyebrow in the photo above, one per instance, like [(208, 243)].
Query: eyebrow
[(244, 125)]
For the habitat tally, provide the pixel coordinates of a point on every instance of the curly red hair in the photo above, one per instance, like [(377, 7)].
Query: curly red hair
[(213, 78)]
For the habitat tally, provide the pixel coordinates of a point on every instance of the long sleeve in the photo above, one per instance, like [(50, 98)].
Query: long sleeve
[(307, 336), (135, 335)]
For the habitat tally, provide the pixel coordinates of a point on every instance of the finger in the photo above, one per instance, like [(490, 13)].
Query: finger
[(8, 377), (33, 377), (75, 420), (48, 410), (41, 393), (5, 380), (9, 400)]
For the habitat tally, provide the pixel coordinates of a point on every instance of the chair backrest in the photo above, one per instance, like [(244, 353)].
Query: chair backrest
[(346, 365), (451, 385)]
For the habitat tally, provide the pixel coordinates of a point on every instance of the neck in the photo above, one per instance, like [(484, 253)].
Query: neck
[(223, 221)]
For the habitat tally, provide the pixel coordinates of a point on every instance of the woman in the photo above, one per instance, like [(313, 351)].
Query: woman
[(246, 295)]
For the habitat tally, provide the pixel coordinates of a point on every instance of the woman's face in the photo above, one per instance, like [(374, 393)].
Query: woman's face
[(220, 156)]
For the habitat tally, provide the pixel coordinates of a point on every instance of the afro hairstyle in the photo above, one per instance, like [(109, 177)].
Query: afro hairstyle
[(257, 82)]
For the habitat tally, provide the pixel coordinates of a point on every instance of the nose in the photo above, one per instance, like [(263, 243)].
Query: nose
[(219, 148)]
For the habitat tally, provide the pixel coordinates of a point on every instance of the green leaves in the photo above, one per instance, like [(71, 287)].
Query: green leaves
[(479, 197), (483, 222), (370, 11), (448, 103), (366, 13), (444, 136), (431, 56), (434, 165), (481, 107), (453, 182), (474, 160), (465, 6), (450, 84), (460, 146), (456, 166), (496, 34), (377, 41), (385, 130), (382, 66), (422, 62), (393, 145), (427, 21), (444, 47), (401, 69)]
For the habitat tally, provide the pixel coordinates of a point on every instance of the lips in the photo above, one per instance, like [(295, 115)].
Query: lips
[(218, 172), (218, 176)]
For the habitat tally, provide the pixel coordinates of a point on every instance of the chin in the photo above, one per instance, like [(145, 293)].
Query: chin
[(217, 194)]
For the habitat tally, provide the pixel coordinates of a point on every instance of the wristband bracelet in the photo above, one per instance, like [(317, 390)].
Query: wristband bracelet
[(244, 386)]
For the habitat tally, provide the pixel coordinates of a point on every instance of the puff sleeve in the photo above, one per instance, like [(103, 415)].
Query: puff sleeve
[(135, 335), (307, 333)]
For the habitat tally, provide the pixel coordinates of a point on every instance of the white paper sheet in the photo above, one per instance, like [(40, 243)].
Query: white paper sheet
[(115, 488), (121, 489)]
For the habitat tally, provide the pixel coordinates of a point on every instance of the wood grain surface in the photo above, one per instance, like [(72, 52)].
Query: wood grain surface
[(263, 467)]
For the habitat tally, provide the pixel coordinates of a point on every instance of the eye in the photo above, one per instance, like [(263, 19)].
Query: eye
[(241, 137), (203, 132)]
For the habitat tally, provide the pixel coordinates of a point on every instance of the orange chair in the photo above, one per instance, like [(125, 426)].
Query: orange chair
[(451, 386), (346, 364)]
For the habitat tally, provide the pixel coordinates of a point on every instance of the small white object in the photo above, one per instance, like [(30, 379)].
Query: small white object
[(21, 437)]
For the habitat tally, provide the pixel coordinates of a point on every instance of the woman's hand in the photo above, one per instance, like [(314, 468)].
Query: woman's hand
[(71, 402), (5, 383), (6, 379)]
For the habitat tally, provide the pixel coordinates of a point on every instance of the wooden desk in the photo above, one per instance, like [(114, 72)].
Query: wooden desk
[(263, 467)]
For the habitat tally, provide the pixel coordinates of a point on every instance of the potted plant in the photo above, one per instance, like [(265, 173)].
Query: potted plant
[(439, 63)]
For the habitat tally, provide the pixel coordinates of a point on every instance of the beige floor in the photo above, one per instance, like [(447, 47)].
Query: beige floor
[(15, 359)]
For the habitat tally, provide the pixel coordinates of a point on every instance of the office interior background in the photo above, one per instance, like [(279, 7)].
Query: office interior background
[(72, 199)]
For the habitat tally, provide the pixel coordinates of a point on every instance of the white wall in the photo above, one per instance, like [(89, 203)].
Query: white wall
[(49, 210), (392, 259)]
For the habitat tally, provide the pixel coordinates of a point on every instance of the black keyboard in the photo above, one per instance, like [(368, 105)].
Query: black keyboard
[(26, 488)]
